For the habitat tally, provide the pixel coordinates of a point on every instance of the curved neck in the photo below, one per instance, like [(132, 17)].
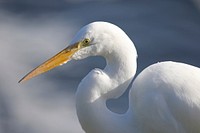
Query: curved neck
[(101, 85), (121, 68)]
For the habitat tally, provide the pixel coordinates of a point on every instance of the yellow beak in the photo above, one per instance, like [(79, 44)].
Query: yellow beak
[(62, 57)]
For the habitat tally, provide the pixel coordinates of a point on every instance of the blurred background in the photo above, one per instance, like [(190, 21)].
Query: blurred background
[(32, 31)]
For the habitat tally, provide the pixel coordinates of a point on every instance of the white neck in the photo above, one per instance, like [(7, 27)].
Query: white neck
[(93, 92)]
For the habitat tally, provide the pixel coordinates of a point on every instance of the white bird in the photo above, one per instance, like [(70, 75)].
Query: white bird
[(164, 97)]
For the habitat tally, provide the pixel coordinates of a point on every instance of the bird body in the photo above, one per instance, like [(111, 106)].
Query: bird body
[(164, 97)]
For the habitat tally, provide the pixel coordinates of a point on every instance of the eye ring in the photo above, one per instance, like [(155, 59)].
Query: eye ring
[(86, 41)]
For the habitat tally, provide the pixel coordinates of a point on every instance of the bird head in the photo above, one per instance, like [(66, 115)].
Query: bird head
[(97, 38)]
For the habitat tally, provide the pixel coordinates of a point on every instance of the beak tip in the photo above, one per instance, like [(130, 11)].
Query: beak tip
[(21, 80)]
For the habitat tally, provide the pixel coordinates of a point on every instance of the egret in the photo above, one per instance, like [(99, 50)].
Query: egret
[(164, 97)]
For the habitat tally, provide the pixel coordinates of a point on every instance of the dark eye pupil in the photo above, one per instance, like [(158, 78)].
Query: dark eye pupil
[(86, 42)]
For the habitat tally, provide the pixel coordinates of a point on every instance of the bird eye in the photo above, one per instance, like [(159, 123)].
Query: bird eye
[(86, 42)]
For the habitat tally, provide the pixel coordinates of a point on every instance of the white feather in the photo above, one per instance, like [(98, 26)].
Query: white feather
[(164, 98)]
